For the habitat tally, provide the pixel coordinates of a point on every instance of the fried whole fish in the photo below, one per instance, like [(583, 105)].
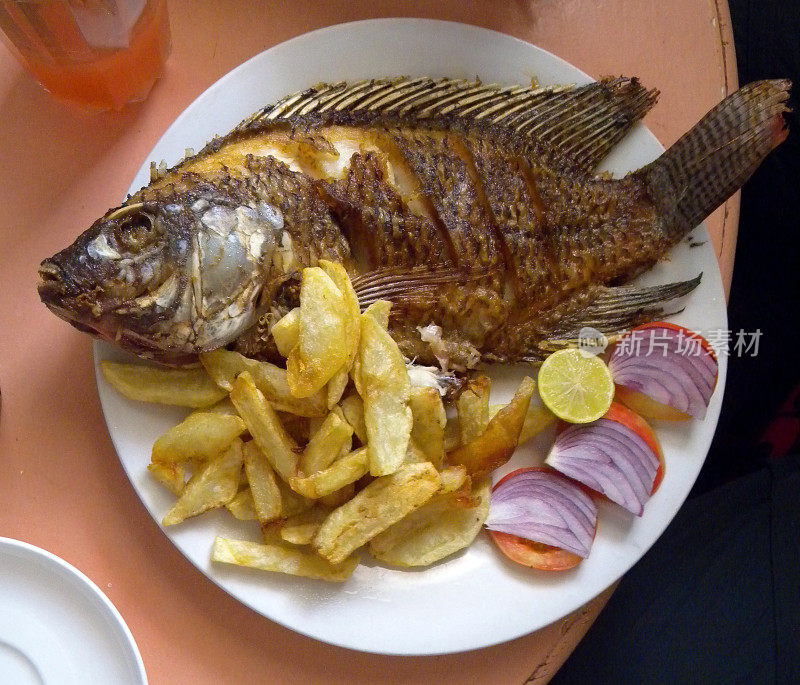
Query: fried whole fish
[(474, 208)]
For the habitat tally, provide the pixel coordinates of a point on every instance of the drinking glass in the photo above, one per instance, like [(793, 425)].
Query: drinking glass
[(101, 54)]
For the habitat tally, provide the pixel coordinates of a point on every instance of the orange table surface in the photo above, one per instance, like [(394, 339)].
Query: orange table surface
[(61, 485)]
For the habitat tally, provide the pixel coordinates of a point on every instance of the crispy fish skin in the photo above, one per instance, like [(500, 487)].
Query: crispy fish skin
[(475, 209)]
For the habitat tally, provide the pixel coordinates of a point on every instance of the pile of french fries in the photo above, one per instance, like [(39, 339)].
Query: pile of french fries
[(337, 452)]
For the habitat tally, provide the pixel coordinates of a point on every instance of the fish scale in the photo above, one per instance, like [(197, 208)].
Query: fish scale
[(511, 191), (473, 208), (374, 215), (314, 233), (443, 169)]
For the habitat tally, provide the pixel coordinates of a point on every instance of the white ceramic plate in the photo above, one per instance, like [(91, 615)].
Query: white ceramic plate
[(476, 598), (56, 626)]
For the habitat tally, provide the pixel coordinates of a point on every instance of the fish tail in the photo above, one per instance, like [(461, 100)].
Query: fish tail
[(715, 158)]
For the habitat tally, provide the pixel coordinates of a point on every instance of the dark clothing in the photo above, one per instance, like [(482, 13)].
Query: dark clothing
[(766, 274), (717, 598)]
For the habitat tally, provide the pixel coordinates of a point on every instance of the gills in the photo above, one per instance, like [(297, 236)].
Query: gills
[(474, 209)]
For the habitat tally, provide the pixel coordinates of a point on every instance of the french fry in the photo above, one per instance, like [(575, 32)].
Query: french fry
[(352, 328), (383, 502), (386, 388), (224, 366), (333, 439), (242, 506), (171, 476), (378, 310), (336, 386), (452, 435), (342, 472), (429, 420), (453, 477), (286, 332), (301, 528), (314, 424), (472, 406), (464, 497), (537, 419), (352, 325), (212, 486), (439, 528), (263, 485), (224, 406), (414, 455), (292, 503), (271, 532), (201, 436), (264, 426), (182, 387), (352, 408), (280, 559), (495, 446), (321, 349), (338, 498)]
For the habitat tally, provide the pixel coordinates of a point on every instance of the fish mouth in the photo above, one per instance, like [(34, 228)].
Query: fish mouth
[(57, 295), (51, 282), (66, 298), (59, 298)]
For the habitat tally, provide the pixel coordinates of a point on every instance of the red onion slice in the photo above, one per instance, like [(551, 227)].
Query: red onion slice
[(617, 489), (702, 379), (700, 361), (667, 343), (574, 513), (676, 386), (609, 457), (543, 506), (603, 443), (669, 364)]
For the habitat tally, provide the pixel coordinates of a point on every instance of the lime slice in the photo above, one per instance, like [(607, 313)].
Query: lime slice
[(575, 386)]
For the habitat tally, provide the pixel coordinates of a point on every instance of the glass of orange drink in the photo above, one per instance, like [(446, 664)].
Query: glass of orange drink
[(100, 54)]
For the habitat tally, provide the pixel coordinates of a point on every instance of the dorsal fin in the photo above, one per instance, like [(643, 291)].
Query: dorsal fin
[(584, 122)]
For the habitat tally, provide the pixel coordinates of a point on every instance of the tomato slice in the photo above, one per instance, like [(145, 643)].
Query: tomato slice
[(536, 554), (659, 475), (647, 407)]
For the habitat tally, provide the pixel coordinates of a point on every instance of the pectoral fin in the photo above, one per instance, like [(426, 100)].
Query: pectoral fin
[(397, 285)]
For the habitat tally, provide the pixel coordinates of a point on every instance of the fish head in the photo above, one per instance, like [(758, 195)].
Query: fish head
[(165, 279), (120, 280)]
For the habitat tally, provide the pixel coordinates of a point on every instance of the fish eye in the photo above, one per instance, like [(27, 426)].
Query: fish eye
[(134, 232)]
